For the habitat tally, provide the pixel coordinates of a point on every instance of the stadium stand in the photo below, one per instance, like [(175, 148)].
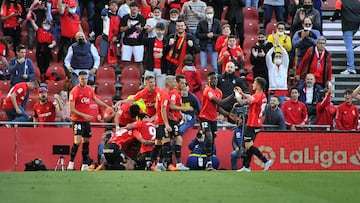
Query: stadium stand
[(55, 86), (105, 74), (130, 74), (57, 68), (129, 88), (4, 87)]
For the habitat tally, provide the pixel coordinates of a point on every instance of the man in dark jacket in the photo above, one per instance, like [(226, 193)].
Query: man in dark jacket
[(349, 12), (227, 82), (235, 18), (208, 30)]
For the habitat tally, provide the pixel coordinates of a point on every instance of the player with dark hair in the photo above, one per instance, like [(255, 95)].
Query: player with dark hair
[(256, 103), (208, 115), (80, 99), (126, 114)]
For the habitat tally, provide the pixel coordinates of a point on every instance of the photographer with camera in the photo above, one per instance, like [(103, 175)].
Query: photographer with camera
[(197, 158), (305, 38)]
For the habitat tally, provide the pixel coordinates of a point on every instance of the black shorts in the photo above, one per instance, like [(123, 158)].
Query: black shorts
[(161, 132), (250, 133), (81, 128), (115, 158), (175, 128), (209, 126)]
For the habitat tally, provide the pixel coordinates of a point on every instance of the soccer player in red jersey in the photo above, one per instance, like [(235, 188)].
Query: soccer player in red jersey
[(126, 114), (146, 137), (208, 115), (44, 110), (175, 118), (257, 103), (162, 122), (13, 102), (80, 99), (148, 95)]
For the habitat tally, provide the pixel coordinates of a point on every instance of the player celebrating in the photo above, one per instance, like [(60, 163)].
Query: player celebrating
[(208, 115), (256, 103), (80, 99), (163, 127)]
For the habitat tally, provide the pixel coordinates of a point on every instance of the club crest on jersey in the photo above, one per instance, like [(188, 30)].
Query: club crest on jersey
[(85, 100)]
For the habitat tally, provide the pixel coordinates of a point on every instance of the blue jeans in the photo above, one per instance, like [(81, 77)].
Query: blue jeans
[(13, 116), (76, 81), (188, 124), (235, 155), (213, 57), (90, 10), (348, 39), (56, 31), (268, 11), (252, 3)]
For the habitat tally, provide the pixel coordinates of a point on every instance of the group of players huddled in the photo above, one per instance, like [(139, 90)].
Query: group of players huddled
[(147, 135)]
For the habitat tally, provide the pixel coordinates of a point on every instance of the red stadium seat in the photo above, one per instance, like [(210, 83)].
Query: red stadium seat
[(30, 105), (106, 88), (3, 116), (55, 86), (251, 27), (204, 74), (271, 27), (37, 72), (250, 13), (105, 74), (4, 87), (129, 89), (85, 26), (98, 42), (223, 15), (31, 54), (130, 74), (57, 68), (249, 42)]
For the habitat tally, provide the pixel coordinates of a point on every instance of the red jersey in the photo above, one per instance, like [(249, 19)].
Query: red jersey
[(175, 98), (158, 49), (209, 108), (44, 112), (124, 114), (147, 132), (82, 98), (294, 112), (192, 76), (95, 109), (69, 24), (126, 139), (12, 21), (228, 58), (44, 36), (325, 112), (347, 117), (20, 90), (257, 105), (149, 99), (162, 100)]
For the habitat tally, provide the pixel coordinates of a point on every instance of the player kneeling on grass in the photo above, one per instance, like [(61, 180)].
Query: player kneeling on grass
[(256, 103), (197, 158)]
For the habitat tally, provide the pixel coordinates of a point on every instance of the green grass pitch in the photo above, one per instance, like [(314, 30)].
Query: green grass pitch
[(192, 186)]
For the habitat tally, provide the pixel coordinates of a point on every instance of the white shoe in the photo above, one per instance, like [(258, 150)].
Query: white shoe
[(182, 167), (267, 165), (84, 167), (244, 169), (71, 165), (347, 72)]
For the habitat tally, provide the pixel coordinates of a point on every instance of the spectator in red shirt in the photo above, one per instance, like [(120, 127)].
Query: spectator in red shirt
[(325, 110), (294, 111), (45, 42), (44, 109), (232, 52), (11, 16), (257, 103), (317, 60), (212, 102), (347, 114), (70, 25), (80, 101), (192, 74), (13, 102)]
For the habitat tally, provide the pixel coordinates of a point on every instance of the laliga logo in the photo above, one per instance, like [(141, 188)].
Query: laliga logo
[(355, 159), (268, 152)]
